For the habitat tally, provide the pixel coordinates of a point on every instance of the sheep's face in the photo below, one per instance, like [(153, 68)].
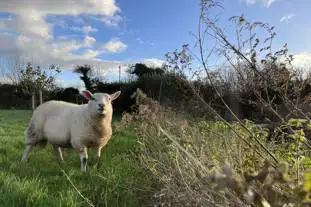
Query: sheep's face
[(100, 103)]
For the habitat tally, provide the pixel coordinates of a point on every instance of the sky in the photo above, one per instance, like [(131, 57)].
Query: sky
[(110, 33)]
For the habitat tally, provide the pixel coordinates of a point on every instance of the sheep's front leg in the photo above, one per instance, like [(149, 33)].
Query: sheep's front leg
[(98, 153), (97, 156), (83, 158), (27, 150)]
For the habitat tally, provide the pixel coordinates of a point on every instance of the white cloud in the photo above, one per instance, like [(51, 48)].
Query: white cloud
[(76, 83), (302, 63), (111, 21), (89, 41), (114, 46), (153, 62), (85, 29), (250, 1), (288, 17), (30, 21), (266, 3), (30, 24), (60, 7), (91, 54), (302, 60), (5, 80), (30, 36), (60, 51)]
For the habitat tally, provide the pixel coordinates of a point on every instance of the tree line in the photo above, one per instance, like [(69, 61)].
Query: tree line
[(169, 87)]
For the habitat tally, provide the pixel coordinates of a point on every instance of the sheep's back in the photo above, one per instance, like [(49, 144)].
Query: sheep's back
[(49, 110)]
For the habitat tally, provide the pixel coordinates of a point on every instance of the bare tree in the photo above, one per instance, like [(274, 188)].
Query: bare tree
[(10, 67), (37, 79)]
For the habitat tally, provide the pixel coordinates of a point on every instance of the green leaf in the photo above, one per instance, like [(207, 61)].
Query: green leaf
[(307, 181)]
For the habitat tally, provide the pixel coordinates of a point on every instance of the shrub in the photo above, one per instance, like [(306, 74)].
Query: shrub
[(208, 163)]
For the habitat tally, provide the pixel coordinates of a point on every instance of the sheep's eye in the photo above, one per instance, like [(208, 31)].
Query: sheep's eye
[(93, 98)]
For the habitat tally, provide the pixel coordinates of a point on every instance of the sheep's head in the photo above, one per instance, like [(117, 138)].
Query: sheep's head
[(100, 103)]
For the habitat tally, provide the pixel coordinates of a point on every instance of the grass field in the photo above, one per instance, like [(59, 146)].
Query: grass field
[(118, 181)]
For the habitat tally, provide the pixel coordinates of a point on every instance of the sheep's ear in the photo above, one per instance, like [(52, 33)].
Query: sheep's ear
[(88, 95), (115, 95)]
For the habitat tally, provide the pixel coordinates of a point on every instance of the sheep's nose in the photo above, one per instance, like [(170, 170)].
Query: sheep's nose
[(101, 106)]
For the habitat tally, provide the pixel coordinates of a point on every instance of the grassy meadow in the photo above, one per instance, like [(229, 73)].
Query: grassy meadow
[(41, 181)]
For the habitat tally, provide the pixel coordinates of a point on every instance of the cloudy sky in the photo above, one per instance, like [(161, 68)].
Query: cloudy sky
[(109, 33)]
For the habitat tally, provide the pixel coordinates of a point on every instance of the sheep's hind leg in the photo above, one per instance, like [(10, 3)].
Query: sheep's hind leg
[(83, 158), (27, 150), (58, 153)]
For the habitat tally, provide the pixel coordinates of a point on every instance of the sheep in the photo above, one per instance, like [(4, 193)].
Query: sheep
[(68, 125)]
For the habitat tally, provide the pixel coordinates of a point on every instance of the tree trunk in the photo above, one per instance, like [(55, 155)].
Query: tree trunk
[(33, 101), (40, 95)]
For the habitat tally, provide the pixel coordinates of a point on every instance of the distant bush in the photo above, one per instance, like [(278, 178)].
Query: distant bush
[(13, 96)]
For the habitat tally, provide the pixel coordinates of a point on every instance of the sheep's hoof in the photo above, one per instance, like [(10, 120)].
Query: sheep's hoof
[(24, 159), (83, 169)]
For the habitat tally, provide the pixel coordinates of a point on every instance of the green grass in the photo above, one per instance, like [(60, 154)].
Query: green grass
[(41, 181)]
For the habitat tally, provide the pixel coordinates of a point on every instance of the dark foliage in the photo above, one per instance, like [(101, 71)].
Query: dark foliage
[(141, 70), (85, 71), (12, 96)]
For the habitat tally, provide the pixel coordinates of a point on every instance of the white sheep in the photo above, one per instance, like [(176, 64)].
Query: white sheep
[(68, 125)]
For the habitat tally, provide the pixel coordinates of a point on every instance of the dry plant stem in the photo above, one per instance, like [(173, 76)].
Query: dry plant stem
[(236, 51), (80, 194), (298, 109), (216, 113), (228, 108), (219, 36), (285, 101), (182, 176), (193, 158), (229, 125), (281, 119), (271, 108), (183, 149)]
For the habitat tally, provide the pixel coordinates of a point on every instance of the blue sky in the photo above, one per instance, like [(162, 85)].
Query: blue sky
[(108, 33)]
